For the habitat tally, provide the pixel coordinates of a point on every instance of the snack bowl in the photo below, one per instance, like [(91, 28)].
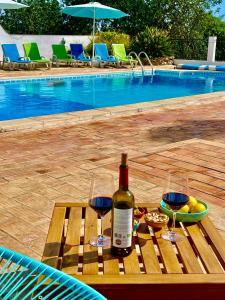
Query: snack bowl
[(156, 219), (139, 212), (184, 217)]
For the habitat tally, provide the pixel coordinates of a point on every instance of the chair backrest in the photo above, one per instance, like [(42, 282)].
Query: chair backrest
[(119, 51), (11, 51), (22, 276), (77, 51), (59, 50), (31, 50), (101, 50)]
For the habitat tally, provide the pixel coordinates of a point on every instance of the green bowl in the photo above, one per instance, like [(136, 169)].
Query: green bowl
[(184, 217)]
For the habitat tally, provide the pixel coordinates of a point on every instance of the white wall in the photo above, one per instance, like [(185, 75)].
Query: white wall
[(44, 41)]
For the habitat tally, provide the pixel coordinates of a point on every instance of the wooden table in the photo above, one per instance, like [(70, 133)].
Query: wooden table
[(190, 269)]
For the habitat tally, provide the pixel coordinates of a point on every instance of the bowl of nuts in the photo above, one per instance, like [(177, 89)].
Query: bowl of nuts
[(156, 219)]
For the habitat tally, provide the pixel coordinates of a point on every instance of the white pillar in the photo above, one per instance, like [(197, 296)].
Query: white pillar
[(211, 49)]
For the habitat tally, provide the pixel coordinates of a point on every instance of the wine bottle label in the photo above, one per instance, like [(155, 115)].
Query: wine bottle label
[(122, 227)]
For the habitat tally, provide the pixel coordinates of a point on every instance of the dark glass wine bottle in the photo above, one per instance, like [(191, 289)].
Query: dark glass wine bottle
[(122, 214)]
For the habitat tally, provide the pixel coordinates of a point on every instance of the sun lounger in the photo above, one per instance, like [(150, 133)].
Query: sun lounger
[(77, 51), (102, 54), (12, 57), (119, 53), (201, 67), (31, 50), (220, 68), (189, 66), (61, 56)]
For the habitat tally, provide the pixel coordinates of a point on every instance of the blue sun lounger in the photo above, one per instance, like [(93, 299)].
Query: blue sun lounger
[(201, 67), (102, 54), (192, 66), (22, 277), (12, 57), (220, 68), (77, 51)]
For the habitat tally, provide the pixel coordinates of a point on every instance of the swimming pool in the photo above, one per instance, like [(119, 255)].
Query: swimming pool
[(52, 95)]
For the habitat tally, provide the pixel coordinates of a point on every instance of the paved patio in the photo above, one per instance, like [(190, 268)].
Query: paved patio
[(39, 168)]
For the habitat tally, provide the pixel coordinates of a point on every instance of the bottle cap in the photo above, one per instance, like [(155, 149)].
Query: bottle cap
[(124, 159)]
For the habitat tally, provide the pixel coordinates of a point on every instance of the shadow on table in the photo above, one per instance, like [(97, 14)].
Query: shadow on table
[(61, 255)]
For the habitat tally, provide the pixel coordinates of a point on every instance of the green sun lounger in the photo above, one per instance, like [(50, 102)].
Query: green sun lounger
[(31, 50), (119, 53), (61, 56)]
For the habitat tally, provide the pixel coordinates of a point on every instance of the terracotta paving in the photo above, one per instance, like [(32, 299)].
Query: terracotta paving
[(42, 167)]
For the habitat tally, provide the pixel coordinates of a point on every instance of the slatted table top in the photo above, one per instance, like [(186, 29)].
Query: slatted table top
[(199, 258)]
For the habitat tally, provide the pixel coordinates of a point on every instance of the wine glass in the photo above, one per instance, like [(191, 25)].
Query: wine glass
[(101, 191), (176, 196)]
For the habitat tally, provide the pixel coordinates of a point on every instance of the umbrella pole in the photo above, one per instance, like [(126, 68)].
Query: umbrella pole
[(93, 37)]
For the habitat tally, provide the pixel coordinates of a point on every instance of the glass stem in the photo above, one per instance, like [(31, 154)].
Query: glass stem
[(101, 236), (174, 222)]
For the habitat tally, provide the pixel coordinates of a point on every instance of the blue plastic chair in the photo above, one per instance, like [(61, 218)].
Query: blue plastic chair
[(11, 55), (22, 277), (77, 51), (102, 54)]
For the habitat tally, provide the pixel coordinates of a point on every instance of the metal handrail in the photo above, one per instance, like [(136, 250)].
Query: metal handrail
[(138, 59), (149, 61)]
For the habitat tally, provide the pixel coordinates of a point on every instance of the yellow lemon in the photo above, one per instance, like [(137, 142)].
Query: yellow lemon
[(192, 202), (184, 209), (199, 207)]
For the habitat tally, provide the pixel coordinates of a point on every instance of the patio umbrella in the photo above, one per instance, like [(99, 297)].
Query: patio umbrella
[(95, 11), (9, 4)]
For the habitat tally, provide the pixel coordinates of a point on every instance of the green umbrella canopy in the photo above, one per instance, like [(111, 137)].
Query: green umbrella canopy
[(95, 11), (9, 4)]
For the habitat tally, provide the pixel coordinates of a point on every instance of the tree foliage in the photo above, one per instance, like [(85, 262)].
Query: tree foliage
[(181, 18), (75, 25), (184, 20), (153, 41), (216, 27), (41, 17), (139, 16), (110, 38)]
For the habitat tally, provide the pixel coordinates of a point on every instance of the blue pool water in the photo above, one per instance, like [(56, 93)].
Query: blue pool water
[(28, 98)]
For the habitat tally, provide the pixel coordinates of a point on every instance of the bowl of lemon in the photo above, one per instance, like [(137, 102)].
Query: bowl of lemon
[(193, 211)]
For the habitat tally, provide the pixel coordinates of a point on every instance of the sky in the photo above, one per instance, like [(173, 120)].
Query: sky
[(222, 10)]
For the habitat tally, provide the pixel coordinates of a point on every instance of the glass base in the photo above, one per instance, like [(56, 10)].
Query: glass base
[(100, 241), (172, 236)]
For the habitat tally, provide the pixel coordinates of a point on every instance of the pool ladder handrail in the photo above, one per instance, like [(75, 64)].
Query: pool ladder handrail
[(148, 59), (138, 57)]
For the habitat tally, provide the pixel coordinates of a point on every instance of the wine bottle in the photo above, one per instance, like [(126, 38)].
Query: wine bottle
[(122, 214)]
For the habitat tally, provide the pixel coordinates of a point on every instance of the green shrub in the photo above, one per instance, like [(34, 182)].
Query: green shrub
[(155, 42), (109, 38)]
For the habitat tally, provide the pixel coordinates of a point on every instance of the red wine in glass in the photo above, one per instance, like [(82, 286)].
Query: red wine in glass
[(101, 204), (175, 200), (176, 196), (101, 191)]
